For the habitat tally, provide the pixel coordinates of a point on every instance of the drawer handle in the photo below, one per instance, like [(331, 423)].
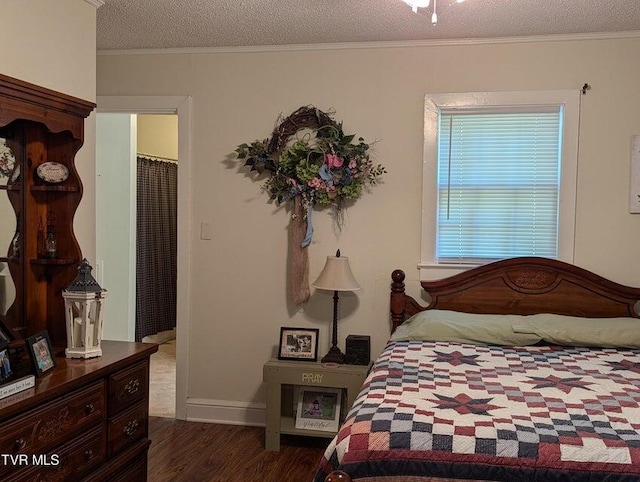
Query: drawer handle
[(19, 444), (89, 408), (88, 454), (132, 386), (131, 428)]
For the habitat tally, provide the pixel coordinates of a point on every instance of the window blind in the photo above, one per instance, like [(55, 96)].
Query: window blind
[(498, 183)]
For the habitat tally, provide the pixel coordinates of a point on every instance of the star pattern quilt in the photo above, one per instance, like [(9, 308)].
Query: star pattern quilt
[(539, 413)]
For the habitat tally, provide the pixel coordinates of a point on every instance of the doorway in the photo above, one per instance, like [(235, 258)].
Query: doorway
[(181, 107)]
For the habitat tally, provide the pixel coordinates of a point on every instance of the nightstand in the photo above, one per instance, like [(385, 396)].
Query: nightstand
[(282, 376)]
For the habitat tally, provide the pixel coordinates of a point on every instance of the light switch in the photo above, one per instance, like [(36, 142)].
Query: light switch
[(206, 230)]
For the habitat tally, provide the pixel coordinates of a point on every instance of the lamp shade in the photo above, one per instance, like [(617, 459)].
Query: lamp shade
[(336, 275)]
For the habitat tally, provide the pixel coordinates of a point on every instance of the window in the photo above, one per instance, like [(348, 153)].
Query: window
[(499, 176)]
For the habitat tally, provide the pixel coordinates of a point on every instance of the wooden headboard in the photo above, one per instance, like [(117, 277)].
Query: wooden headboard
[(521, 286)]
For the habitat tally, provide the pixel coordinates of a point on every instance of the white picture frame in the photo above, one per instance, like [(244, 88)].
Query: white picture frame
[(634, 189), (318, 409)]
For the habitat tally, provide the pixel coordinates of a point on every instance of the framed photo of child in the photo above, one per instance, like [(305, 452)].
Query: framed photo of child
[(318, 408), (41, 353), (5, 364)]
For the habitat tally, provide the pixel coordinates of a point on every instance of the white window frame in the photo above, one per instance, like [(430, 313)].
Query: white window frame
[(570, 99)]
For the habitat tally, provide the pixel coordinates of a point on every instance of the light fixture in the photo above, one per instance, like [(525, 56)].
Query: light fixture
[(335, 276), (84, 305), (416, 4)]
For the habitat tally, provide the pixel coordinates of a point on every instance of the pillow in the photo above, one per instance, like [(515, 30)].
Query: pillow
[(476, 329), (577, 331)]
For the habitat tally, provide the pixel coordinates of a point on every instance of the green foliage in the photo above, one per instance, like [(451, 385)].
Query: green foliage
[(325, 166)]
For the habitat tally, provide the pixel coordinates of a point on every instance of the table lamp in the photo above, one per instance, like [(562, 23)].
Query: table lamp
[(335, 276)]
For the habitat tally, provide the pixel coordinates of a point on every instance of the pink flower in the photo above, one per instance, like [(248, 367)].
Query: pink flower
[(352, 164), (333, 161)]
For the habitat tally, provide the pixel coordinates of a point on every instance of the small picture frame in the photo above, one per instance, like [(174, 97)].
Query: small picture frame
[(298, 344), (5, 366), (41, 353), (318, 409)]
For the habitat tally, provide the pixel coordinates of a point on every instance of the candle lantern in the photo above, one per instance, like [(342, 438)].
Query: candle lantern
[(84, 305)]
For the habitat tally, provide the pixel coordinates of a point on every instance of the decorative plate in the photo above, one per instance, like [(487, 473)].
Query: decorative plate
[(52, 172), (7, 159)]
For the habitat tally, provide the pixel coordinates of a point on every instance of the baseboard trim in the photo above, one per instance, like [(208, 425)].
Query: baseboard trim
[(226, 412)]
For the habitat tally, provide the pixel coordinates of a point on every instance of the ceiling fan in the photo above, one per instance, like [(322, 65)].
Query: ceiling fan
[(416, 4)]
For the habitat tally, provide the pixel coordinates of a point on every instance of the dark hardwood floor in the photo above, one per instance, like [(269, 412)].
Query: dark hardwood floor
[(203, 452)]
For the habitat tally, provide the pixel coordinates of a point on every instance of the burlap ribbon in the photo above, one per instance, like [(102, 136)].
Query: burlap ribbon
[(298, 256)]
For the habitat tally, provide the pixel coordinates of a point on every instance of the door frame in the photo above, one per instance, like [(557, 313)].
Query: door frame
[(181, 106)]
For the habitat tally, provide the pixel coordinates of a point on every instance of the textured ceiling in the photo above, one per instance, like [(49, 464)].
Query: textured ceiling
[(155, 24)]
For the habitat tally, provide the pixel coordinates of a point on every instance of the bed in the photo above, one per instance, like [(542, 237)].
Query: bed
[(522, 369)]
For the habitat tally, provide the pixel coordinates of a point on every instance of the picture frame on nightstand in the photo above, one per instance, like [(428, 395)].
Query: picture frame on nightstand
[(299, 344), (318, 408)]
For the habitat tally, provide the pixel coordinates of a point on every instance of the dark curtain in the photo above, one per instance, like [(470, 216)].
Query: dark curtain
[(156, 246)]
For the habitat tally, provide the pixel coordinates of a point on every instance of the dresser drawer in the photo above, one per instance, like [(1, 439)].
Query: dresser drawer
[(135, 473), (39, 429), (128, 386), (126, 428), (71, 462)]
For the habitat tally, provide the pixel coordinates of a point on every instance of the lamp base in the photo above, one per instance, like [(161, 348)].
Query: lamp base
[(334, 356)]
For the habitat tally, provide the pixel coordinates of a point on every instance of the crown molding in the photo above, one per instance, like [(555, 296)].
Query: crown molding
[(374, 45), (95, 3)]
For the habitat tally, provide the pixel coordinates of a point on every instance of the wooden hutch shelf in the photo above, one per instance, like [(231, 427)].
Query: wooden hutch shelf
[(91, 414), (55, 188), (55, 261), (39, 126)]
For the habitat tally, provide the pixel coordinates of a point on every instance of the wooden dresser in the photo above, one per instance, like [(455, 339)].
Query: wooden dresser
[(85, 420)]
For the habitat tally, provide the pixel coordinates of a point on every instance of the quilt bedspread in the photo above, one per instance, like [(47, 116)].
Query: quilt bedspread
[(493, 413)]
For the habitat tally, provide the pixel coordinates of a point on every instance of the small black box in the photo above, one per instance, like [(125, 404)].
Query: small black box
[(358, 350)]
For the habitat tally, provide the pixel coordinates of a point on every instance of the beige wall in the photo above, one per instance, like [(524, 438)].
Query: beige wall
[(53, 44), (158, 135), (238, 281)]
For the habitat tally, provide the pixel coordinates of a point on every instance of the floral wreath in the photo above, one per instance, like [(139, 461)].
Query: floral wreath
[(323, 166)]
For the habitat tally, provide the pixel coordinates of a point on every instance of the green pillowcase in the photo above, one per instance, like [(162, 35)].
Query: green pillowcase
[(443, 325), (577, 331)]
